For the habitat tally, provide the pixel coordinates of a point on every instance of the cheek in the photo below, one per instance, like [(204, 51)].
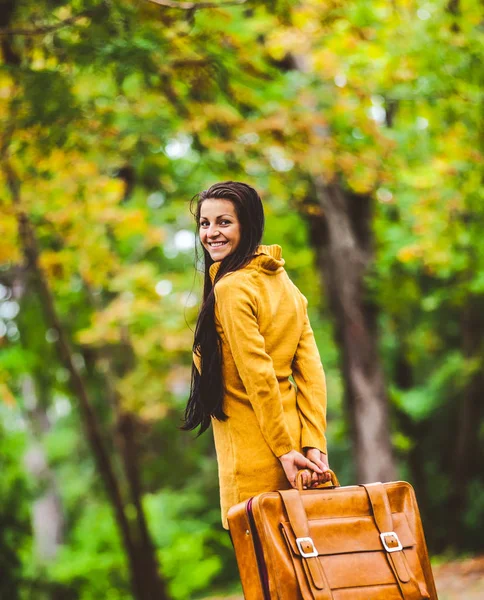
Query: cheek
[(237, 236)]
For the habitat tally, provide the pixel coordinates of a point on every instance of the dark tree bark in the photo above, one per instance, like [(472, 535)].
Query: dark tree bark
[(469, 456), (125, 436), (341, 234), (415, 430), (471, 406)]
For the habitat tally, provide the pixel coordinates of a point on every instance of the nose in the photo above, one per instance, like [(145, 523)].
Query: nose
[(213, 231)]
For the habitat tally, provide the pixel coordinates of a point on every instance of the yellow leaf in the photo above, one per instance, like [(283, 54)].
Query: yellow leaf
[(327, 63), (409, 253), (6, 395)]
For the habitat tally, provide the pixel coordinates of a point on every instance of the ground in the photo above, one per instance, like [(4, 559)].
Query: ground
[(460, 579), (455, 580)]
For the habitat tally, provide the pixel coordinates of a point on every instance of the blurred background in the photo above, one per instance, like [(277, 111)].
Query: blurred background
[(359, 124)]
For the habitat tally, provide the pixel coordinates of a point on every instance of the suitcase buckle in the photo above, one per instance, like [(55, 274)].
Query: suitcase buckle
[(388, 548), (305, 553)]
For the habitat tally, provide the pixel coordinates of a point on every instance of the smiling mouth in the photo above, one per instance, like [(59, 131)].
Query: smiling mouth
[(216, 244)]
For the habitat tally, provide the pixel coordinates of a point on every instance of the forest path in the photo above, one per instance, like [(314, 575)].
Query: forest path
[(455, 580)]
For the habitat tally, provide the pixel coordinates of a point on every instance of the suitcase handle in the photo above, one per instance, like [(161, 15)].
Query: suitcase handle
[(333, 483)]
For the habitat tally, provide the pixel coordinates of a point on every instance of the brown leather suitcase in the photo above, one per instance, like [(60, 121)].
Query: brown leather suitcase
[(332, 543)]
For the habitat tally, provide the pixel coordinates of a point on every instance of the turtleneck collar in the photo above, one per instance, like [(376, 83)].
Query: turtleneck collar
[(266, 258)]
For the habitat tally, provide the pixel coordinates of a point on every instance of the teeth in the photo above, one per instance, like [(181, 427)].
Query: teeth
[(217, 244)]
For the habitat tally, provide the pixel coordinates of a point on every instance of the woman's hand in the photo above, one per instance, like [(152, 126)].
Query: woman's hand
[(321, 460), (293, 461)]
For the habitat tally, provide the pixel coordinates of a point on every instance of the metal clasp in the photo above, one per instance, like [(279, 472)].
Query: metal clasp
[(388, 548), (306, 540)]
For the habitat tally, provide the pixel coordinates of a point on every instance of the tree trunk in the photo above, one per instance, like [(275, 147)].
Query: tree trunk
[(125, 439), (147, 554), (125, 429), (341, 234), (342, 237), (413, 429), (468, 457)]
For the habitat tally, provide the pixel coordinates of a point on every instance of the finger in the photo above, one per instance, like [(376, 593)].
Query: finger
[(292, 480), (310, 465), (323, 466), (323, 477), (306, 478), (320, 464)]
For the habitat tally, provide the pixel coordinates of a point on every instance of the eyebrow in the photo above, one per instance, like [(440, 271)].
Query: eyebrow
[(219, 216)]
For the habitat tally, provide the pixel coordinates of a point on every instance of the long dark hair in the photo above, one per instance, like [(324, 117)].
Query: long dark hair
[(207, 387)]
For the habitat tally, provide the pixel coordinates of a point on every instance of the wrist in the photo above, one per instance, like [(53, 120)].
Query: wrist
[(286, 455)]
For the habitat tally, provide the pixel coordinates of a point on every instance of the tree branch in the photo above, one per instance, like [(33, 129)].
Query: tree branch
[(43, 29), (196, 5)]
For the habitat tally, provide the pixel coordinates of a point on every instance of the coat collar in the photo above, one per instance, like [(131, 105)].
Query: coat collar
[(266, 258)]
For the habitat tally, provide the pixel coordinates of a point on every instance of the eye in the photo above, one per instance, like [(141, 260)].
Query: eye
[(224, 222), (204, 223)]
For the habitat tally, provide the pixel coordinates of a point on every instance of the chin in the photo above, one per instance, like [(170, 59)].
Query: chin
[(218, 257)]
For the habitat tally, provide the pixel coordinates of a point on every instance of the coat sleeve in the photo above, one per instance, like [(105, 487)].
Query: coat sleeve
[(310, 380), (236, 311)]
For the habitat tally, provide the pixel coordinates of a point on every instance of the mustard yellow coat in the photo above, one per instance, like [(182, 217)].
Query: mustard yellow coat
[(261, 318)]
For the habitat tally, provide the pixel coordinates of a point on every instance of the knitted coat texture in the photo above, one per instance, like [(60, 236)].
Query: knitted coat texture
[(261, 318)]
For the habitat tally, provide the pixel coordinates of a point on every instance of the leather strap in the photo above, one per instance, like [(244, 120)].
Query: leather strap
[(300, 526), (397, 560)]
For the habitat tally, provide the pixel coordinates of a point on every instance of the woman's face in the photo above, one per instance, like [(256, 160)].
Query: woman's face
[(219, 228)]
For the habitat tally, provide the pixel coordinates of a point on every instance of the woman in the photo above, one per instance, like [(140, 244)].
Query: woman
[(252, 334)]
